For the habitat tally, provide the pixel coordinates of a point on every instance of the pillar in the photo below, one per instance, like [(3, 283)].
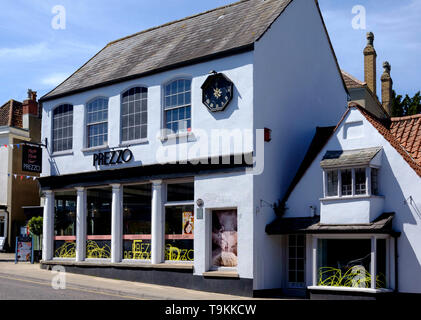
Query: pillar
[(117, 224), (48, 227), (158, 223), (81, 224), (373, 269)]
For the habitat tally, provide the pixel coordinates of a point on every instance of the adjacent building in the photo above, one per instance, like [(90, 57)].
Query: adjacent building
[(167, 150), (20, 123)]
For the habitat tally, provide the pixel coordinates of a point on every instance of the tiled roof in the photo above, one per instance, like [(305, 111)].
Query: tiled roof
[(356, 157), (209, 34), (11, 114), (351, 82), (312, 225), (384, 128), (407, 130)]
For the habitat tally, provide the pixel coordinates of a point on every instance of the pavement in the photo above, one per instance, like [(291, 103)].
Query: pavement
[(28, 281)]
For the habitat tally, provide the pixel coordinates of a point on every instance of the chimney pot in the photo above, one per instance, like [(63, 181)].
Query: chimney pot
[(370, 38), (387, 85)]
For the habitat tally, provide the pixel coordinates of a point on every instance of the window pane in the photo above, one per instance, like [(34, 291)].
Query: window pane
[(344, 263), (296, 260), (346, 182), (62, 128), (381, 264), (137, 221), (98, 243), (134, 114), (180, 192), (97, 118), (360, 181), (374, 181), (179, 233), (332, 183), (65, 224)]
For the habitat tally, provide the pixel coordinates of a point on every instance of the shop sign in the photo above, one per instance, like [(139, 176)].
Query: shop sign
[(112, 157), (32, 159)]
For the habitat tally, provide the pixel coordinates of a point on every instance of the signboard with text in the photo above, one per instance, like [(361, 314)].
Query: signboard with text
[(31, 159), (24, 249)]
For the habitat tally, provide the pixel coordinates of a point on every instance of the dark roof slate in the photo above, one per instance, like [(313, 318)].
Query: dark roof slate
[(213, 32), (356, 157)]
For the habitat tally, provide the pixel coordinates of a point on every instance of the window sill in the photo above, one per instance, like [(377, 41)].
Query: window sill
[(62, 153), (133, 142), (346, 289), (221, 274), (351, 197), (93, 149), (175, 136)]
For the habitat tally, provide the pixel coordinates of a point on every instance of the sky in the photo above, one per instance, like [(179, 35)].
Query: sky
[(37, 53)]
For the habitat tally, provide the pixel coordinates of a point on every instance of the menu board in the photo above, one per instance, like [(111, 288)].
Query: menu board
[(24, 249)]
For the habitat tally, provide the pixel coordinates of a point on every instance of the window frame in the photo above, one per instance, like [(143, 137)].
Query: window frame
[(291, 284), (140, 140), (166, 132), (86, 124), (368, 182), (55, 152)]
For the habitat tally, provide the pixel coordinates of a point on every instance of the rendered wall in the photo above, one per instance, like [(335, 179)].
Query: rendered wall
[(297, 87)]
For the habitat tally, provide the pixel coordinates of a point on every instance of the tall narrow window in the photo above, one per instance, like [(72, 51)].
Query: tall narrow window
[(177, 106), (332, 183), (97, 122), (63, 128), (296, 261), (360, 181), (375, 181), (346, 176), (134, 114)]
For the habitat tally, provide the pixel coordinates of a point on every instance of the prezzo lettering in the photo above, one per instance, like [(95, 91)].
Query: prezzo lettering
[(112, 157)]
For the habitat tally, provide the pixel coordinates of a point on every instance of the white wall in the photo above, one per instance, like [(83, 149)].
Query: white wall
[(225, 191), (297, 87), (397, 183), (4, 169), (238, 115)]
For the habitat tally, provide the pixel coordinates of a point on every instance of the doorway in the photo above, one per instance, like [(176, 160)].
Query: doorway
[(224, 239)]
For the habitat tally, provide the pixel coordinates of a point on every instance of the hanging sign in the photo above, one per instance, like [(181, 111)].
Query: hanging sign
[(31, 159), (112, 157)]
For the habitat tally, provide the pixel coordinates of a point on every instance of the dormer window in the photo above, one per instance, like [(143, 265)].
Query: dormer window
[(351, 173)]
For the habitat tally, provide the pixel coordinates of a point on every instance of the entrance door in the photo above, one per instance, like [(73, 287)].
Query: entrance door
[(224, 238), (3, 229)]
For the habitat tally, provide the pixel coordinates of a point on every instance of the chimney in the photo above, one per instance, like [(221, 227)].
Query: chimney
[(29, 108), (370, 57), (387, 84)]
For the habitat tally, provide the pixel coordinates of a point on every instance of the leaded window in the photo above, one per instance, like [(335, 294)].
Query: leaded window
[(346, 176), (97, 122), (332, 183), (177, 106), (134, 114), (63, 128), (360, 181)]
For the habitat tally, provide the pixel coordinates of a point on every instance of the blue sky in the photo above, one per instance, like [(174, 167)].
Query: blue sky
[(34, 55)]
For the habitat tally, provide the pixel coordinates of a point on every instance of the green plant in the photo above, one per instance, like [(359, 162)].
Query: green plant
[(35, 225)]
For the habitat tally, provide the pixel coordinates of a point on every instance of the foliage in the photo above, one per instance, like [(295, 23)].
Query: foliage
[(406, 106), (356, 276), (35, 225)]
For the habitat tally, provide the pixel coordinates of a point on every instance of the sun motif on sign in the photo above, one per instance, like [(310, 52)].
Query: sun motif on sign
[(217, 93)]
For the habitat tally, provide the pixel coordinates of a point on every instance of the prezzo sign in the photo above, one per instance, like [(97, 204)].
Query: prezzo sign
[(112, 157), (31, 159)]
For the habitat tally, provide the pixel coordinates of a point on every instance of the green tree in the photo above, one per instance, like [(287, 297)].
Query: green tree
[(405, 106), (35, 225)]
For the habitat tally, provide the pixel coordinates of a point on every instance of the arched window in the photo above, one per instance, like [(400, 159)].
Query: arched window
[(134, 114), (97, 122), (63, 128), (177, 105)]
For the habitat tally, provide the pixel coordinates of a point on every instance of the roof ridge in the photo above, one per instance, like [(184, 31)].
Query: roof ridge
[(354, 78), (414, 116), (174, 22)]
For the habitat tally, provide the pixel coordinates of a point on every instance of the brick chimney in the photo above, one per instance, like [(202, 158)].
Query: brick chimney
[(370, 57), (30, 105), (30, 117), (387, 84)]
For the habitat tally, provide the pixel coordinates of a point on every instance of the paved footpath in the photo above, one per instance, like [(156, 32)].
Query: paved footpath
[(26, 281)]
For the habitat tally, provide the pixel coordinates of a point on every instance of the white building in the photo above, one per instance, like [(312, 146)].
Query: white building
[(120, 212), (352, 222)]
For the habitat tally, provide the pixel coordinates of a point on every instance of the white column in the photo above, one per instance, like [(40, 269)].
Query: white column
[(315, 273), (117, 224), (81, 224), (373, 269), (48, 227), (158, 223)]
